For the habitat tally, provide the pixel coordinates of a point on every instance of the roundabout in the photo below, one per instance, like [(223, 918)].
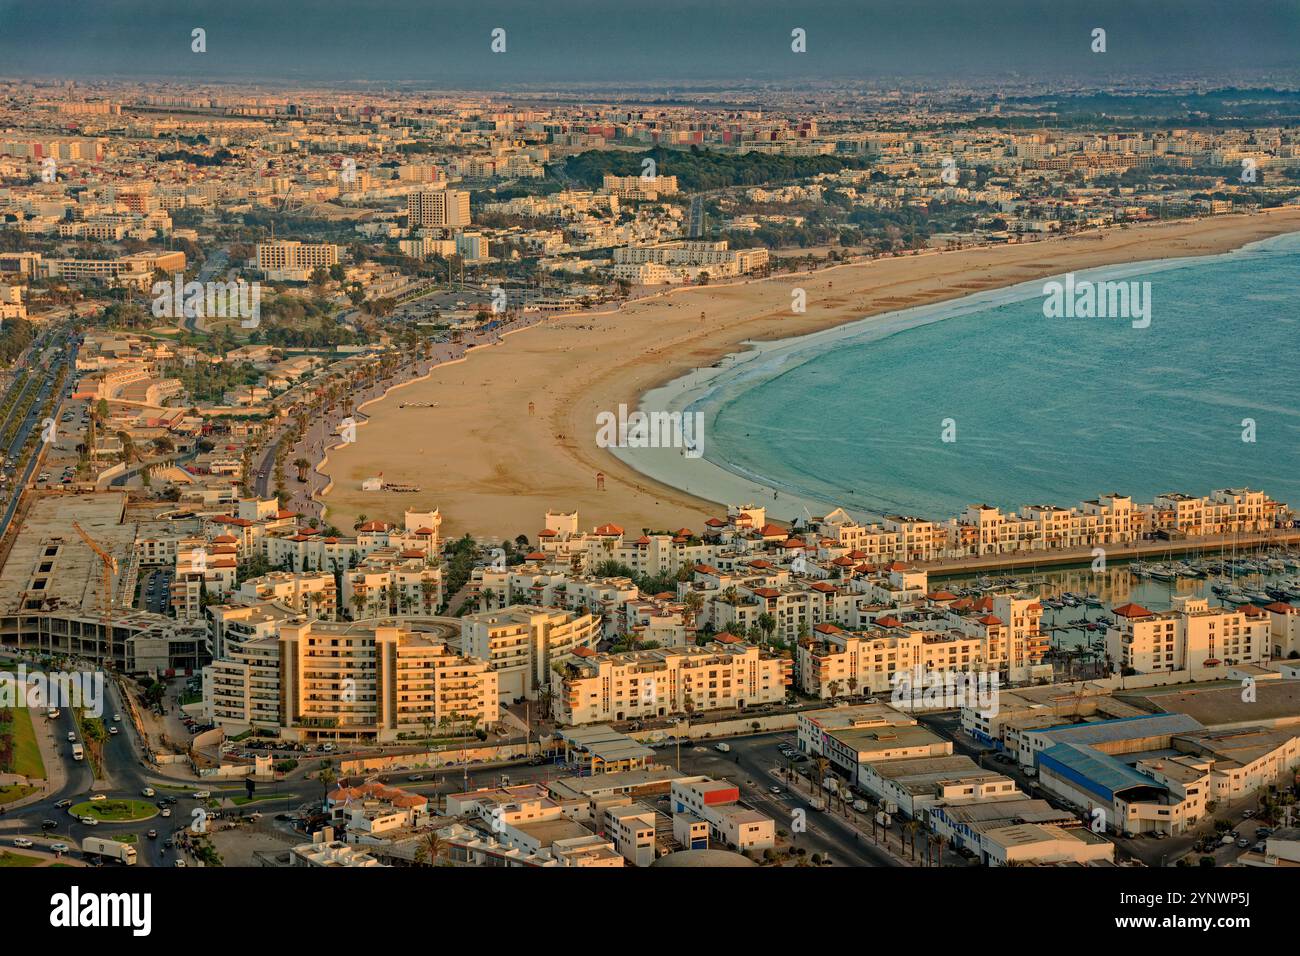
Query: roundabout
[(114, 811)]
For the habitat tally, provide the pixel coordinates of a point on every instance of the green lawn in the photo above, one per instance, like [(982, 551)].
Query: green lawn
[(115, 811), (11, 794), (259, 798), (8, 859), (27, 755)]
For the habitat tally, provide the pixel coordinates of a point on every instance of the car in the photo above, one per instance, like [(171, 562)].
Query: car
[(59, 847), (1263, 832), (773, 789), (23, 843), (415, 776), (165, 812), (63, 803), (148, 791), (1248, 814), (1260, 847), (72, 737), (328, 748), (95, 798), (179, 863), (117, 718), (89, 821), (112, 731), (1243, 844), (201, 794), (49, 824), (152, 834)]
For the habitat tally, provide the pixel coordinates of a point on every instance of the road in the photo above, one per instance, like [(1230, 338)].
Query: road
[(214, 263), (31, 421), (753, 764), (125, 778)]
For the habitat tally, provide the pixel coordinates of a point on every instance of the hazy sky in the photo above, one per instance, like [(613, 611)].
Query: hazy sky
[(652, 41)]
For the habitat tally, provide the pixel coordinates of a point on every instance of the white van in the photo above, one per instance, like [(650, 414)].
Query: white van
[(722, 748)]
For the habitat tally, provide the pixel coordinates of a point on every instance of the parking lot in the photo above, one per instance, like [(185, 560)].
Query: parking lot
[(155, 591)]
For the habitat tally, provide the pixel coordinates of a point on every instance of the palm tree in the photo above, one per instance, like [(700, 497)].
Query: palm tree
[(432, 850), (326, 775), (940, 841), (912, 826), (822, 765), (767, 624), (694, 603), (302, 464)]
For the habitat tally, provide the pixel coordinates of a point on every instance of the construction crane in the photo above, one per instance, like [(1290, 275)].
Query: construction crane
[(109, 564)]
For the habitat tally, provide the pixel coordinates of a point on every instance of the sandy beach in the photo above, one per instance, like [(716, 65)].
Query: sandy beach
[(494, 468)]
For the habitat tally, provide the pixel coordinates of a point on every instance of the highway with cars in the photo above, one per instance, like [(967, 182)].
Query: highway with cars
[(43, 379)]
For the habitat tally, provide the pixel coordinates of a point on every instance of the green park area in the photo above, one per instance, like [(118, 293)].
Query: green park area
[(19, 753), (115, 811), (14, 860)]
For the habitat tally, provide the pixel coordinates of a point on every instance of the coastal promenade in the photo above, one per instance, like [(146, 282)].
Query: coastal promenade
[(1022, 560)]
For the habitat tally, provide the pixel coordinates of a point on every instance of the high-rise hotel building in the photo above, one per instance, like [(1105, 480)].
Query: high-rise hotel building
[(442, 208), (294, 261)]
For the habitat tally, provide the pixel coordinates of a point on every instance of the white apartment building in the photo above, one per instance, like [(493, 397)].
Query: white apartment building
[(1283, 630), (726, 674), (1000, 634), (310, 593), (531, 583), (1190, 636), (561, 542), (424, 247), (204, 569), (522, 642), (689, 257), (639, 187), (294, 261), (351, 682), (437, 208), (388, 581)]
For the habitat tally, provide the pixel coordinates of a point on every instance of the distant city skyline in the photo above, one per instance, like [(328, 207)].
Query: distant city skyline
[(583, 41)]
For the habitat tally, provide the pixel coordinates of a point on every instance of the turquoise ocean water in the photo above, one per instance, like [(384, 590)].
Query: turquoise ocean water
[(1046, 410)]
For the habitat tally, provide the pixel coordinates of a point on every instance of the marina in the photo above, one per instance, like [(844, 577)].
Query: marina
[(1077, 602)]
